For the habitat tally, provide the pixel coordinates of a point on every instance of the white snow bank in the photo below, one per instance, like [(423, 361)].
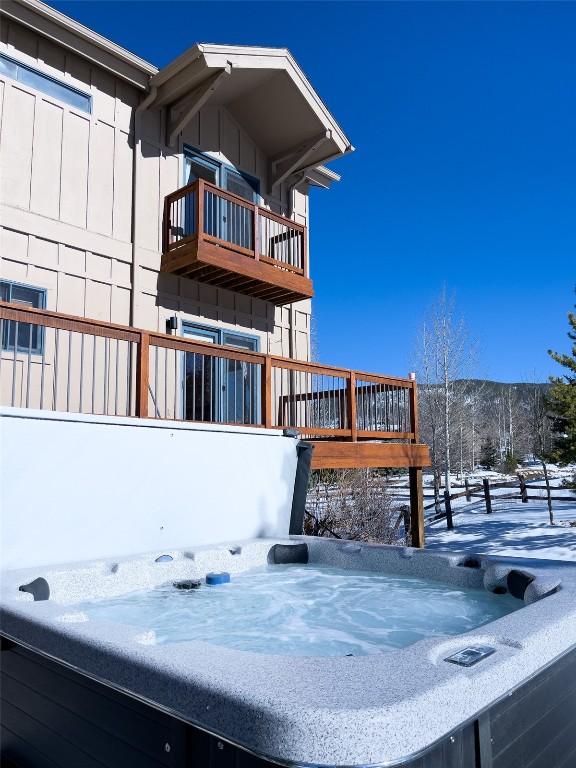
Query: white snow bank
[(513, 529)]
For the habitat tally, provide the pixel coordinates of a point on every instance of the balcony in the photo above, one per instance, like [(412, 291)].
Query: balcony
[(73, 364), (215, 237)]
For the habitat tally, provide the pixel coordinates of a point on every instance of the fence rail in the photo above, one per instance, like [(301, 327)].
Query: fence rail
[(203, 211), (59, 362), (484, 491)]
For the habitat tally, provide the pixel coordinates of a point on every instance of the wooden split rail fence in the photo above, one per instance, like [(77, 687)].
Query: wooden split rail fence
[(484, 491)]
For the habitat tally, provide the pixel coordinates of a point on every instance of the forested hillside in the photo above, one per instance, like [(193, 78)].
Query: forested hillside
[(489, 422)]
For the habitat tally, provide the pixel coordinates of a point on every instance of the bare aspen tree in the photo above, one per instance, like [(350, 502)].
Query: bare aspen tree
[(430, 404), (477, 395), (445, 357)]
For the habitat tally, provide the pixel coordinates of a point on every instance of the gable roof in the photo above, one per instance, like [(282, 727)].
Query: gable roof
[(266, 91)]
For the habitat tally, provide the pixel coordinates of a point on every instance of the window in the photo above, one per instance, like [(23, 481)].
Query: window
[(225, 219), (241, 184), (30, 337), (197, 165), (44, 83)]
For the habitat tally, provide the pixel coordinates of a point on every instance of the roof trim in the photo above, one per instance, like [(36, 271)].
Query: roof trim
[(83, 41), (218, 56), (327, 172)]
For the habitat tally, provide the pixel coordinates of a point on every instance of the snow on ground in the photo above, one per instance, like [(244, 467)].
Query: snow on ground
[(513, 529)]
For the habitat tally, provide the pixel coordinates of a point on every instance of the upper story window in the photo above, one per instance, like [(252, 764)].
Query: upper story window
[(44, 83), (27, 338), (200, 166)]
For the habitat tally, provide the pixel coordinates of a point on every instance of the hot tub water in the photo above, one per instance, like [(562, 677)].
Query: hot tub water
[(310, 610)]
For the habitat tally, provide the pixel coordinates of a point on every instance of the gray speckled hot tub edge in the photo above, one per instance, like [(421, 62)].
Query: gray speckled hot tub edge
[(307, 711)]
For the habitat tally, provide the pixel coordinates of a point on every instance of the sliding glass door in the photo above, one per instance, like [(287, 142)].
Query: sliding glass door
[(217, 389)]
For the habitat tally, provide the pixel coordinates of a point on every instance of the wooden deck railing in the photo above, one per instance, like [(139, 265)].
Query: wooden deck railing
[(203, 212), (59, 362)]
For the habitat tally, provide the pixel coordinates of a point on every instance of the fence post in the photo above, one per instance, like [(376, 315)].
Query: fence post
[(467, 486), (523, 490), (487, 499), (548, 495), (142, 375), (448, 505)]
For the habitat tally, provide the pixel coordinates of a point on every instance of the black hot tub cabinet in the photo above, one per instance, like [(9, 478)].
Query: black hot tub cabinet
[(80, 693)]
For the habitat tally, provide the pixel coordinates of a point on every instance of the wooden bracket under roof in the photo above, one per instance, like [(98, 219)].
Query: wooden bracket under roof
[(182, 111), (288, 162)]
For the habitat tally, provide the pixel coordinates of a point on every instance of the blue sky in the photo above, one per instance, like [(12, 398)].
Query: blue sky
[(464, 120)]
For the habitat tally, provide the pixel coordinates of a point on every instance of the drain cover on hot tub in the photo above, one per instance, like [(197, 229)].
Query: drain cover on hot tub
[(467, 657)]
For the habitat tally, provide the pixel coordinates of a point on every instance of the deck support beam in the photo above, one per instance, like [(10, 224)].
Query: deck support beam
[(416, 506)]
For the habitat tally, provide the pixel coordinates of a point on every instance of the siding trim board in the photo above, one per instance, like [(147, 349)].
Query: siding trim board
[(46, 228)]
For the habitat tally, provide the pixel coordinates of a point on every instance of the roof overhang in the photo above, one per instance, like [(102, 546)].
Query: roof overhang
[(266, 92), (76, 37)]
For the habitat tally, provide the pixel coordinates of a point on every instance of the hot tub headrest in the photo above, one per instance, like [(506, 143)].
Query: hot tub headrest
[(282, 554), (517, 581), (39, 589)]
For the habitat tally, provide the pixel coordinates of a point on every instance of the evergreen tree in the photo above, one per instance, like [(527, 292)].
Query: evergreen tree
[(561, 402), (510, 463), (488, 454)]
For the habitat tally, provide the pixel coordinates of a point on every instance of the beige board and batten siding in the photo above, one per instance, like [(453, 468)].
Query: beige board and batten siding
[(66, 194), (65, 181)]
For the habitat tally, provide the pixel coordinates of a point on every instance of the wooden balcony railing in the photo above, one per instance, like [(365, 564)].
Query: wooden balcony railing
[(63, 363), (217, 237)]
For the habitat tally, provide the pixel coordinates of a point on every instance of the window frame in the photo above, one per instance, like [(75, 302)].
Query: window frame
[(44, 76), (219, 332), (222, 168), (5, 345)]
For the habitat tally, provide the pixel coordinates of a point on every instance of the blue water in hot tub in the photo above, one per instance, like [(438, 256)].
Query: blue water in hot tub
[(306, 610)]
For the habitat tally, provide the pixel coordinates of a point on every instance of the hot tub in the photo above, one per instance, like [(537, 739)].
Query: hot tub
[(316, 653)]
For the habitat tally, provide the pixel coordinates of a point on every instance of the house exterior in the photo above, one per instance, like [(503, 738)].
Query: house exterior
[(93, 140), (154, 242)]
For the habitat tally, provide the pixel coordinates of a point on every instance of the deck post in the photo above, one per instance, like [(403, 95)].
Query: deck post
[(416, 507), (351, 403), (256, 233), (267, 392), (200, 210), (415, 475), (142, 375)]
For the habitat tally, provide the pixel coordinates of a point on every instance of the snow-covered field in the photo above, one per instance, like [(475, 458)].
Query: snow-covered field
[(513, 529)]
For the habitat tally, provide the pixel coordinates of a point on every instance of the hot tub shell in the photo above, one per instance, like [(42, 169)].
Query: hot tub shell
[(219, 706)]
